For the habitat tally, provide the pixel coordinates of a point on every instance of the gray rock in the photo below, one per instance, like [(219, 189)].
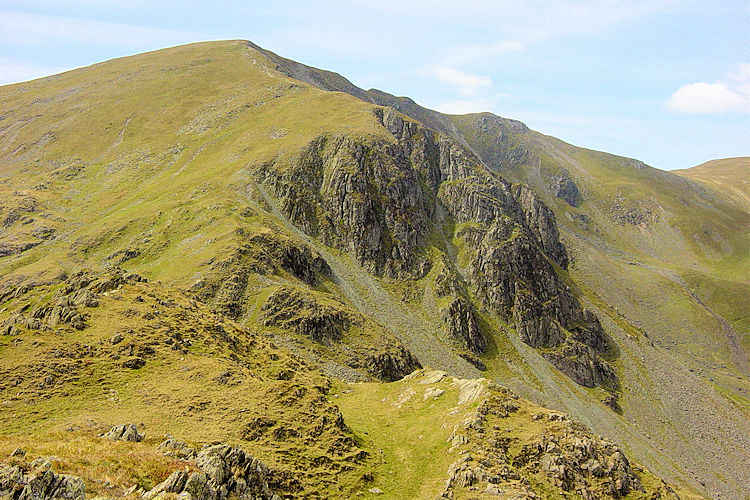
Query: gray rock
[(319, 322), (173, 484), (177, 449), (563, 187), (225, 471), (124, 432), (197, 486), (10, 479), (43, 463), (40, 486), (134, 363), (392, 365), (462, 323), (225, 466)]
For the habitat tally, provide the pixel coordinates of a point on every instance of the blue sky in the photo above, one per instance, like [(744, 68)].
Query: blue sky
[(664, 81)]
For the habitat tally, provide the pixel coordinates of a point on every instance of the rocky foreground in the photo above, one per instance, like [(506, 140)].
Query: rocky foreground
[(553, 457)]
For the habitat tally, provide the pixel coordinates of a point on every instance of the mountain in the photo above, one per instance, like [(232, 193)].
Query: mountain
[(727, 175), (342, 293)]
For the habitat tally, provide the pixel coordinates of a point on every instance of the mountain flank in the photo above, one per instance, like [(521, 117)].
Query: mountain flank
[(727, 175), (320, 291)]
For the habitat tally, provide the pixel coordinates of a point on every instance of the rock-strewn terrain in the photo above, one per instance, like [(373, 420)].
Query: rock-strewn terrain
[(379, 201), (206, 265)]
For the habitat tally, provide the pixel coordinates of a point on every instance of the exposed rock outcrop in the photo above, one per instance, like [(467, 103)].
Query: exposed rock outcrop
[(563, 187), (262, 253), (324, 320), (515, 276), (377, 198), (226, 472), (561, 457), (459, 315), (17, 484), (391, 365), (175, 448), (463, 325), (124, 432), (300, 311), (80, 290)]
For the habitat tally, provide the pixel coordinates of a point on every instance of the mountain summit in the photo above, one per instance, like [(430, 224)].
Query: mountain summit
[(321, 291)]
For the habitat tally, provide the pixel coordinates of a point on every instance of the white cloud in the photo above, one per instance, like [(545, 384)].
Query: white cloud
[(468, 85), (732, 95), (34, 29), (470, 53), (463, 106), (530, 18)]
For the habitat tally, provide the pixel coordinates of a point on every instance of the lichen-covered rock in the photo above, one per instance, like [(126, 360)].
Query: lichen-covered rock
[(172, 447), (175, 483), (300, 311), (197, 487), (226, 472), (10, 480), (391, 365), (124, 432), (39, 485)]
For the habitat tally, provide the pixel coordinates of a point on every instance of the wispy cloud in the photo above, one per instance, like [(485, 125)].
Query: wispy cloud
[(467, 84), (476, 52), (21, 28), (463, 106), (726, 96)]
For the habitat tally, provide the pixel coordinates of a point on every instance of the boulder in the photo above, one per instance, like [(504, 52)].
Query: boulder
[(225, 472), (46, 485), (124, 432), (175, 483), (177, 449)]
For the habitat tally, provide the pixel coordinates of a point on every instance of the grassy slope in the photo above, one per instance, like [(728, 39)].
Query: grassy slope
[(675, 277), (61, 387), (727, 175), (152, 153), (147, 150)]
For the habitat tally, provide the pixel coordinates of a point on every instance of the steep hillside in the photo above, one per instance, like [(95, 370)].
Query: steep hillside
[(728, 176), (90, 352), (283, 216), (651, 243), (659, 256)]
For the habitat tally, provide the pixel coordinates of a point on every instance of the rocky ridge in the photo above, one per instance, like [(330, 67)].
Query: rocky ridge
[(377, 200), (559, 457)]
